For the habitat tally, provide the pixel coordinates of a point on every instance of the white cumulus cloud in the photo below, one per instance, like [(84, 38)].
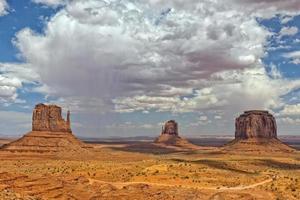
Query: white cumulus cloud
[(3, 7), (12, 78), (288, 31), (51, 3), (294, 56), (162, 56), (290, 110), (115, 50)]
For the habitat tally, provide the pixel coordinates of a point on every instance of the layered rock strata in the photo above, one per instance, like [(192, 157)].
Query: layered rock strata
[(256, 132), (50, 134), (255, 124), (170, 136), (49, 118)]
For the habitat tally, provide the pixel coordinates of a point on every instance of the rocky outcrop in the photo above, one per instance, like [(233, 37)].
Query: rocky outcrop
[(170, 128), (256, 132), (255, 124), (49, 118), (170, 137), (50, 135)]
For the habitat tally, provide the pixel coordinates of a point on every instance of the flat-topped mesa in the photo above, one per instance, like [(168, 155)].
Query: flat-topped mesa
[(170, 128), (255, 124), (48, 118)]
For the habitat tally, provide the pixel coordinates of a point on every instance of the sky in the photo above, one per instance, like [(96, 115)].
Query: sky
[(123, 67)]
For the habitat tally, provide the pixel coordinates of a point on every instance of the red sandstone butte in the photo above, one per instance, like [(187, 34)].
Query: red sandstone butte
[(48, 118), (255, 124), (170, 136), (51, 135), (170, 128)]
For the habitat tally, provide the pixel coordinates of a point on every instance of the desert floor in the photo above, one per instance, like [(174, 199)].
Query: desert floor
[(147, 171)]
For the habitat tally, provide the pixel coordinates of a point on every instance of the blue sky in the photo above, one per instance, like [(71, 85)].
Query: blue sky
[(288, 69), (22, 14), (125, 67)]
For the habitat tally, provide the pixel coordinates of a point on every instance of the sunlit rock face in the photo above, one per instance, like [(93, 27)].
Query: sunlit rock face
[(170, 128), (255, 124), (51, 135), (48, 118)]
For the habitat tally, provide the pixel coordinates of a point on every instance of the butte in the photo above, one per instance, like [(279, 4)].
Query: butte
[(50, 135), (169, 136), (256, 131)]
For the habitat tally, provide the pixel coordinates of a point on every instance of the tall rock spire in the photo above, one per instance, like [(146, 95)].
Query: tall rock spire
[(68, 120)]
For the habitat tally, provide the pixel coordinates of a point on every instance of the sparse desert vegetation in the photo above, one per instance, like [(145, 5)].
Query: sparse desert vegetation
[(156, 100), (122, 174), (51, 163)]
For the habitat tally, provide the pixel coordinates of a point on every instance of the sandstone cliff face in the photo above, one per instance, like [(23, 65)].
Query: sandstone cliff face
[(255, 124), (170, 128), (51, 135), (48, 118)]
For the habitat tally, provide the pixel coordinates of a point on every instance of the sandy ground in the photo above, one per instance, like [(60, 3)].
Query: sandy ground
[(147, 171)]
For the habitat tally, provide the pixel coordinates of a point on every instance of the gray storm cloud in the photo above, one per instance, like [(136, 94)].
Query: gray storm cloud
[(177, 57), (111, 50)]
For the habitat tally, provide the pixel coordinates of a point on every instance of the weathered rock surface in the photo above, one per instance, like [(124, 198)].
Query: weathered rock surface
[(49, 118), (256, 131), (170, 128), (170, 136), (255, 124), (50, 134)]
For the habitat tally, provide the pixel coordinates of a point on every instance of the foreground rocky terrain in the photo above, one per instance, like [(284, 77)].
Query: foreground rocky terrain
[(116, 172)]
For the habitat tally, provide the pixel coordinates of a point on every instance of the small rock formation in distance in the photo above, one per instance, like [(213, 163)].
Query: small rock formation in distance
[(170, 128), (170, 136)]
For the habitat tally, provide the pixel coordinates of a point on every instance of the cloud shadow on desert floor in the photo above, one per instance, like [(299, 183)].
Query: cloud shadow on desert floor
[(151, 148), (277, 164), (217, 164), (148, 148)]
